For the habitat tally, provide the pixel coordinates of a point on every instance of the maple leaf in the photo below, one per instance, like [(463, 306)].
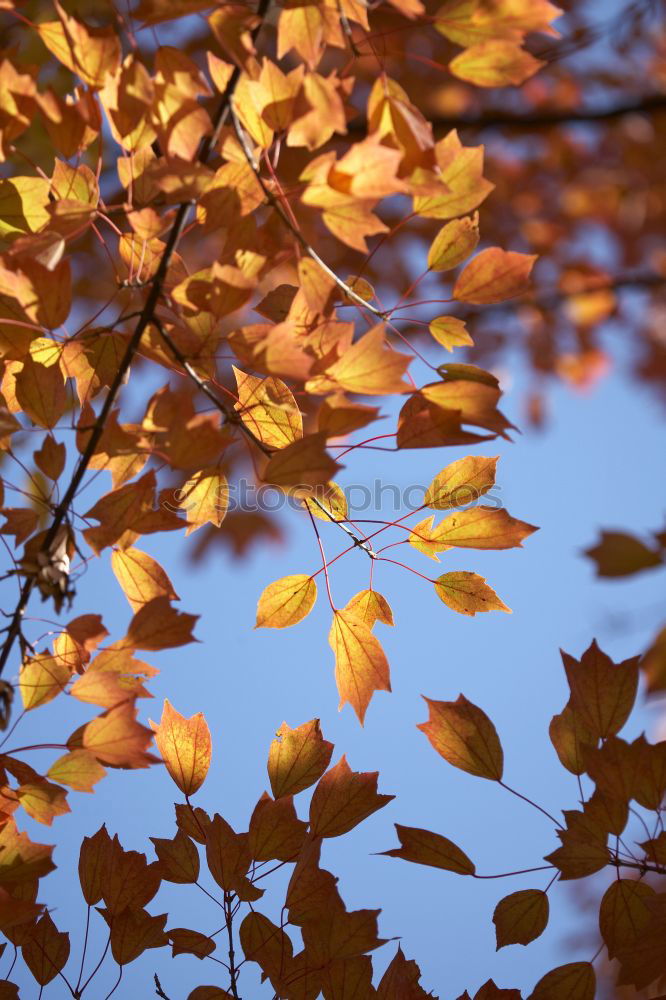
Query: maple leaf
[(185, 746)]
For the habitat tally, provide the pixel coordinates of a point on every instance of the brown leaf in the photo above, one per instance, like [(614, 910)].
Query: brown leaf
[(46, 950), (178, 858), (575, 981), (520, 917), (426, 848), (342, 799), (464, 736), (275, 832), (602, 692)]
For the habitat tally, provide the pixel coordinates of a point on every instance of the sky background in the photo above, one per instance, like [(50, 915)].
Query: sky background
[(599, 462)]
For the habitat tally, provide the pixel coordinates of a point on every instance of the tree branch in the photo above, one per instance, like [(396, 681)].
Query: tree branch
[(534, 120)]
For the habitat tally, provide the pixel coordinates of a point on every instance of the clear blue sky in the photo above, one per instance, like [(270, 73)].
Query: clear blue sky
[(598, 463)]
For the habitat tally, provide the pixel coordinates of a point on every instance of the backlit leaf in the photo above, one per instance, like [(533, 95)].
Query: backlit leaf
[(286, 602), (185, 746), (297, 758), (453, 244), (467, 593), (493, 276), (361, 667)]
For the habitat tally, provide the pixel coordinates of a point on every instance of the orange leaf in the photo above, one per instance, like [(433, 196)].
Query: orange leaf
[(115, 738), (286, 601), (370, 368), (185, 746), (157, 625), (342, 799), (619, 554), (91, 53), (464, 736), (204, 498), (493, 276), (297, 758), (303, 463), (361, 667), (520, 917), (133, 931), (41, 392), (426, 848), (468, 593)]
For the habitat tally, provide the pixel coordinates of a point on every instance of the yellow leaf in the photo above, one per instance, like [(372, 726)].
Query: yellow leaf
[(461, 482), (23, 204), (90, 53), (468, 593), (369, 367), (371, 607), (41, 679), (185, 746), (454, 243), (141, 577), (204, 498), (286, 602), (268, 408), (450, 332), (495, 63)]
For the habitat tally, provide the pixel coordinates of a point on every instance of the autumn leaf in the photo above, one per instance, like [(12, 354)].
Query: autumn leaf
[(493, 276), (370, 368), (620, 554), (157, 625), (303, 463), (484, 528), (178, 858), (426, 848), (361, 667), (467, 593), (450, 332), (520, 917), (454, 243), (185, 746), (342, 799), (495, 64), (297, 758), (268, 408), (286, 602), (624, 914), (464, 736), (141, 577), (575, 981), (461, 482), (370, 607), (602, 692), (46, 950)]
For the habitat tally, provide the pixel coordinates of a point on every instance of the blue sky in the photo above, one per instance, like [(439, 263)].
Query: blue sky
[(596, 464)]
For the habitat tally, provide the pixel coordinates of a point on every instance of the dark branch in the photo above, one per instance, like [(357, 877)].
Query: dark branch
[(547, 118)]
